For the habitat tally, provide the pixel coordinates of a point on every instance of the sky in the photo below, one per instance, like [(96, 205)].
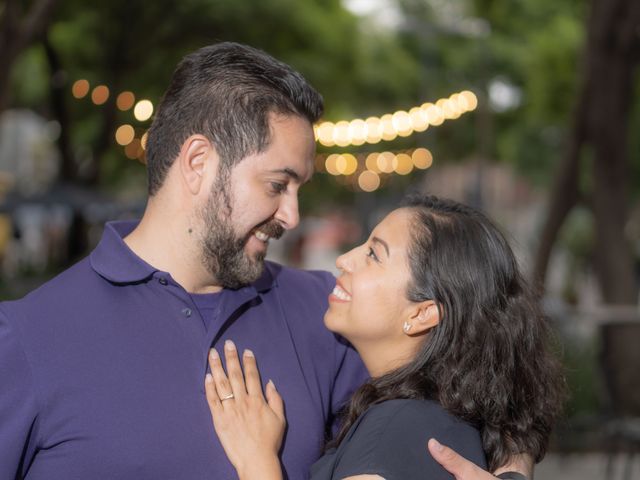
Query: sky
[(384, 12)]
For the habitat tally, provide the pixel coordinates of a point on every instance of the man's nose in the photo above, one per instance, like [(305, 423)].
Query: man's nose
[(288, 214)]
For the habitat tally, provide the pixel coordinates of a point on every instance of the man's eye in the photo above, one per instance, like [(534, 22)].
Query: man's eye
[(278, 187), (371, 254)]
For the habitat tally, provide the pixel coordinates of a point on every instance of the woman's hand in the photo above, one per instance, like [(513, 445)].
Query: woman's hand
[(250, 429)]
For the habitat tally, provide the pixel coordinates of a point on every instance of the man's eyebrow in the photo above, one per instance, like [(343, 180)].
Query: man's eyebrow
[(289, 172), (381, 242)]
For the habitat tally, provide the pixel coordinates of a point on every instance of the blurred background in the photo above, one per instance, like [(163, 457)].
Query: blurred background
[(527, 109)]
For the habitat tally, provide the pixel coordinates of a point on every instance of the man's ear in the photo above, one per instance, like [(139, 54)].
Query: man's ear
[(423, 316), (197, 161)]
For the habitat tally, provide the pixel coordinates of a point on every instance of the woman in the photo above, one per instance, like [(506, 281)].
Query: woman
[(455, 344)]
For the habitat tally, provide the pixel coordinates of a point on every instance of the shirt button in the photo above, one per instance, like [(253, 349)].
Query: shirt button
[(187, 312), (163, 281)]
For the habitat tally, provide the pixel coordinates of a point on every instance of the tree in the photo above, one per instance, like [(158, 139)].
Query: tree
[(534, 44), (134, 45), (599, 132), (18, 30)]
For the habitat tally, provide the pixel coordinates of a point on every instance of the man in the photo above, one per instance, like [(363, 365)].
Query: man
[(103, 367)]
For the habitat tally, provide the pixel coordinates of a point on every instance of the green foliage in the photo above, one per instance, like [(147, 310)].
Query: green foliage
[(533, 45), (580, 359), (135, 45), (551, 68), (360, 68), (532, 146), (634, 144), (536, 45), (578, 237), (30, 78)]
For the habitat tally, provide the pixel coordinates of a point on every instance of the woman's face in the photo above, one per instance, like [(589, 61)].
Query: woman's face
[(369, 304)]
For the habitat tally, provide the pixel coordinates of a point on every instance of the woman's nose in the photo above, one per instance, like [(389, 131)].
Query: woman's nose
[(345, 262)]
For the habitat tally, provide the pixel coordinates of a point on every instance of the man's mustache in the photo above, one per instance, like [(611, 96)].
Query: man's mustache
[(273, 229)]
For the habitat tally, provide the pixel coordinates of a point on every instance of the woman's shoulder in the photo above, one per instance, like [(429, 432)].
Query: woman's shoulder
[(390, 439), (404, 415), (406, 405)]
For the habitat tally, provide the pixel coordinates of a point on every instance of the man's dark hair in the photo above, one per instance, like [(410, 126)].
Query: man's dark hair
[(225, 92)]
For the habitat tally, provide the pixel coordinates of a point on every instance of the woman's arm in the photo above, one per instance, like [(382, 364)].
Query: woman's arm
[(250, 429)]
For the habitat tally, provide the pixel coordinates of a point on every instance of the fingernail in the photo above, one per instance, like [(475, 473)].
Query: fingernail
[(248, 353), (273, 385), (208, 378), (436, 445), (213, 353), (229, 345)]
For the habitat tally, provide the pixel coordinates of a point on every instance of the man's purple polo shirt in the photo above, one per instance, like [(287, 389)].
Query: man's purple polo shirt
[(102, 369)]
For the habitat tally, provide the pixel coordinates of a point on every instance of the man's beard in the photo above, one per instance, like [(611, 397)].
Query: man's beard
[(223, 250)]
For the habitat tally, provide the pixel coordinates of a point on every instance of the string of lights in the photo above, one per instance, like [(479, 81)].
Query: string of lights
[(392, 125), (364, 170)]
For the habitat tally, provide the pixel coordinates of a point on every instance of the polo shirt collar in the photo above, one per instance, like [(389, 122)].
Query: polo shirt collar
[(116, 262)]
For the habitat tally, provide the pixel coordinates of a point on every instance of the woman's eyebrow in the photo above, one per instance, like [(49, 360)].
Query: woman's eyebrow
[(381, 242)]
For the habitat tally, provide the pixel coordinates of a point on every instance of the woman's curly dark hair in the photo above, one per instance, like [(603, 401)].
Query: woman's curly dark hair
[(489, 361)]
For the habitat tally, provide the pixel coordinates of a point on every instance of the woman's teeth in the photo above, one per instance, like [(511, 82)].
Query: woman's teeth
[(341, 294)]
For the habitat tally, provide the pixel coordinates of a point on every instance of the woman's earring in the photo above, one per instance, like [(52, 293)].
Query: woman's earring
[(406, 327)]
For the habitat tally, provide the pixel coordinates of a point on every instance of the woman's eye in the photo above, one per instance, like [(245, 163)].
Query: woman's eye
[(371, 254), (278, 187)]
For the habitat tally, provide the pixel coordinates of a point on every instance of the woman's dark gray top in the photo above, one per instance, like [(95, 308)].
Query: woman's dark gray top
[(390, 440)]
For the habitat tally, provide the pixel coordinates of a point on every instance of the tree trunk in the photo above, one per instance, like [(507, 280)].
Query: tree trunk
[(564, 195), (117, 66), (612, 61), (601, 122), (69, 169), (17, 32)]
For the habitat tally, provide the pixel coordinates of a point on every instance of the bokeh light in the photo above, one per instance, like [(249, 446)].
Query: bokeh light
[(385, 162), (330, 164), (341, 134), (80, 88), (325, 134), (374, 129), (401, 121), (125, 135), (422, 158), (388, 130), (143, 110), (470, 99), (371, 162), (351, 164), (133, 150), (357, 131), (403, 164), (100, 94), (125, 101), (419, 119), (369, 181), (435, 115)]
